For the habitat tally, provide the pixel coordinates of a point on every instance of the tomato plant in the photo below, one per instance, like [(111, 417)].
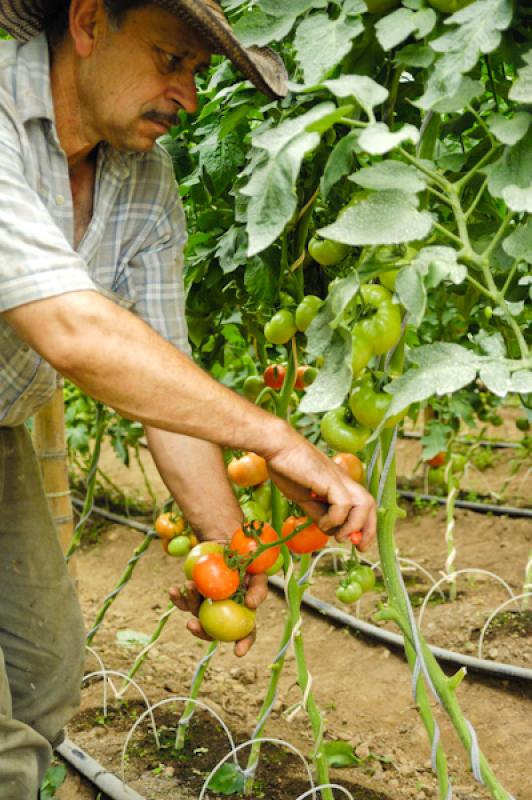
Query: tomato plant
[(307, 310), (214, 578), (349, 592), (327, 253), (370, 406), (248, 470), (246, 540), (307, 540), (226, 620)]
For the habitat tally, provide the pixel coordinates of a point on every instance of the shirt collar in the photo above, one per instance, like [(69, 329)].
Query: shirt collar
[(33, 88)]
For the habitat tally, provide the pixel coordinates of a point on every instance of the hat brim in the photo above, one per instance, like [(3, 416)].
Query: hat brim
[(24, 19)]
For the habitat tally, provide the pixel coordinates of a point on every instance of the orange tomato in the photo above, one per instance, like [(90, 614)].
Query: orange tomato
[(213, 578), (245, 545), (306, 541), (350, 464), (249, 470), (169, 525)]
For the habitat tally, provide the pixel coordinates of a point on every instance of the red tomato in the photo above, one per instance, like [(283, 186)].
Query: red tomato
[(274, 376), (356, 537), (245, 545), (350, 464), (438, 460), (213, 578), (307, 540), (250, 470)]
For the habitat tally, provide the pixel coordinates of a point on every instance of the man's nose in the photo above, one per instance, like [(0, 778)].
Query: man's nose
[(183, 90)]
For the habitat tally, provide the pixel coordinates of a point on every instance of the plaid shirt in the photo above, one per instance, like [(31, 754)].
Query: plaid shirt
[(132, 251)]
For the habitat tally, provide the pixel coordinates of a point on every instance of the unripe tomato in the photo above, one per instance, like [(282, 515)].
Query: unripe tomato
[(449, 6), (307, 310), (340, 434), (169, 524), (326, 252), (249, 470), (281, 327), (225, 620), (278, 565), (522, 424), (383, 328), (389, 279), (200, 550), (274, 376), (438, 460), (178, 547), (369, 407), (305, 375), (365, 576), (245, 545), (307, 540), (349, 593), (253, 386), (263, 495), (361, 350), (350, 464), (213, 578)]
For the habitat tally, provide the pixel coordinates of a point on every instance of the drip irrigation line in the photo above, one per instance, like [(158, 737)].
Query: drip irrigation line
[(481, 508), (494, 668), (113, 787), (497, 669), (497, 444)]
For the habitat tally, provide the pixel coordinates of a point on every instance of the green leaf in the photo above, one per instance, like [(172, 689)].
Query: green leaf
[(519, 243), (378, 138), (278, 8), (231, 249), (367, 92), (390, 175), (518, 199), (219, 159), (513, 172), (467, 90), (274, 139), (334, 378), (415, 55), (329, 120), (509, 131), (340, 162), (396, 27), (228, 779), (496, 376), (429, 268), (522, 381), (257, 28), (321, 43), (435, 439), (521, 91), (388, 217), (340, 754), (478, 31), (130, 639)]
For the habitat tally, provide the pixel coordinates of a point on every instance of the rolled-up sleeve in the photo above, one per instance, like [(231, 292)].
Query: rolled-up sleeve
[(36, 260)]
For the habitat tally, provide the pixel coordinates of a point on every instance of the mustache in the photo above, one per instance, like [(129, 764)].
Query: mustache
[(161, 117)]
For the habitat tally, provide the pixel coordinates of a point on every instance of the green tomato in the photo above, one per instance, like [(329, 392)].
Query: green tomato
[(365, 576), (253, 510), (326, 252), (281, 327), (225, 620), (458, 462), (449, 6), (350, 593), (436, 476), (252, 387), (369, 407), (307, 310), (389, 278), (339, 434), (381, 6), (200, 550), (276, 566), (179, 546), (383, 328), (522, 424), (361, 350), (263, 495)]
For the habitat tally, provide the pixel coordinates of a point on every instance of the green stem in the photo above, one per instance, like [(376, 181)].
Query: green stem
[(190, 707), (498, 236), (476, 199), (449, 234), (442, 182), (139, 661), (126, 577), (510, 277)]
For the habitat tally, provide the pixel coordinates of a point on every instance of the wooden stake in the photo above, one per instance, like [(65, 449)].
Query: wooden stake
[(49, 441)]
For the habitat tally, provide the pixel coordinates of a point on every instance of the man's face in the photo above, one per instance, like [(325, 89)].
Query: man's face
[(138, 77)]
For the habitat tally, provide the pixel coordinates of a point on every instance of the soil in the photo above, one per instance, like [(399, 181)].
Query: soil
[(362, 686)]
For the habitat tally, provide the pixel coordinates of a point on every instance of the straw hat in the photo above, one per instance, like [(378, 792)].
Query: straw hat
[(24, 19)]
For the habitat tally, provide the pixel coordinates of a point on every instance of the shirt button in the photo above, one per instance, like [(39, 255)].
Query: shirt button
[(60, 200)]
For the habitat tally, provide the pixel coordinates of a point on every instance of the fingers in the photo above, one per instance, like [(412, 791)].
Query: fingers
[(257, 590), (186, 598), (242, 647), (195, 628)]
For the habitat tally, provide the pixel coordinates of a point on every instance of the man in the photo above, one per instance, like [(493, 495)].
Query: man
[(91, 239)]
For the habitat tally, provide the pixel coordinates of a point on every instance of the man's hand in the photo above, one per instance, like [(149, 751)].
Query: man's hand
[(187, 598), (299, 469)]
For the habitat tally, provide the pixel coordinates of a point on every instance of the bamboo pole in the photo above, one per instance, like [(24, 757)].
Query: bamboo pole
[(49, 441)]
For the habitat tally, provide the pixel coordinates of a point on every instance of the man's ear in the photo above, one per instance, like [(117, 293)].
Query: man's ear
[(86, 19)]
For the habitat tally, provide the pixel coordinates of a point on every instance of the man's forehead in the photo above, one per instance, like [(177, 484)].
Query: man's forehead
[(175, 32)]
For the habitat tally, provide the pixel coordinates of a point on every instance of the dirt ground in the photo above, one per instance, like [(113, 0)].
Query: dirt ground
[(363, 687)]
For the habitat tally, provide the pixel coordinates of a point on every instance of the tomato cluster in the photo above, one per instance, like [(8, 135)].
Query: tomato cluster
[(171, 529), (359, 579)]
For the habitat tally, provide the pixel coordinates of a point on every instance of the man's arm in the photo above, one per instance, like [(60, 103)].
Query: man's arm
[(118, 359)]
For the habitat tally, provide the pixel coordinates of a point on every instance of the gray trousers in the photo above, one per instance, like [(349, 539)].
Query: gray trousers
[(42, 639)]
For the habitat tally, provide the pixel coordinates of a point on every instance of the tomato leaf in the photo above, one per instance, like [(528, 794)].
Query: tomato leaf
[(334, 378), (258, 28), (228, 779), (367, 92), (321, 42), (511, 176), (341, 754), (396, 27), (378, 138), (521, 91), (430, 267), (519, 243), (388, 217), (390, 175), (509, 131), (340, 161)]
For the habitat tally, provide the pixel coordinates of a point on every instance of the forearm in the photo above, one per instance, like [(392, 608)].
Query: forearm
[(194, 472), (116, 358)]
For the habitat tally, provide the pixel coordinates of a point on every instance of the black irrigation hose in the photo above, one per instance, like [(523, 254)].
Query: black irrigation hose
[(495, 443), (494, 668), (481, 508), (113, 787)]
